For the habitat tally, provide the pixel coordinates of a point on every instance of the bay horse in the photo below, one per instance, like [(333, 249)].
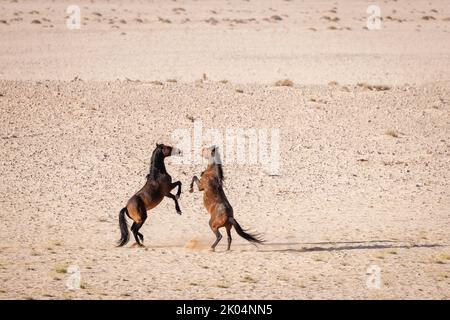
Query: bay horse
[(215, 201), (158, 185)]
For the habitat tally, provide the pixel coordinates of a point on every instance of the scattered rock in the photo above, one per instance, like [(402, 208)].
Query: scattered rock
[(393, 133), (276, 18), (178, 10), (212, 21), (331, 19), (371, 87), (163, 20), (284, 83)]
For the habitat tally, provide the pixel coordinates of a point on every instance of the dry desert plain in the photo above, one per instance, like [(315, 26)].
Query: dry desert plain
[(364, 126)]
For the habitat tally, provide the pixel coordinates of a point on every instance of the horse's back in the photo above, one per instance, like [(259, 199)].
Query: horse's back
[(153, 193)]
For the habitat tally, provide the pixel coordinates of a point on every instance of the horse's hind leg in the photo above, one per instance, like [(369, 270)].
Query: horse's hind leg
[(141, 236), (139, 214), (218, 238), (137, 233), (228, 227), (133, 230)]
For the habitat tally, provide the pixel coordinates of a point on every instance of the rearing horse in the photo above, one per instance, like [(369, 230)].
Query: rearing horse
[(215, 201), (158, 185)]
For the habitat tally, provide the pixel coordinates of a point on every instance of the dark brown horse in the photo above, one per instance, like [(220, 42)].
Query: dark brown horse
[(215, 201), (158, 185)]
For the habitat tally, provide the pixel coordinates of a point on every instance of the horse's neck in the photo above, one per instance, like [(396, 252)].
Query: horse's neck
[(211, 167), (214, 177), (157, 166)]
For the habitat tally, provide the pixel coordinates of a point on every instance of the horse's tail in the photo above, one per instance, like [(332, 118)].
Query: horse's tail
[(124, 233), (253, 238)]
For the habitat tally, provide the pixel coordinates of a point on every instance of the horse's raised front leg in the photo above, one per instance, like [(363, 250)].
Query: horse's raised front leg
[(197, 182), (175, 199), (176, 184)]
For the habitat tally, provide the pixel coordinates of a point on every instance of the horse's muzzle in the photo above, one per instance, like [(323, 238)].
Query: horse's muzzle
[(176, 152)]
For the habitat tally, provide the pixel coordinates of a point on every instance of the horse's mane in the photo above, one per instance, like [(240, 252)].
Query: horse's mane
[(218, 166), (156, 164), (219, 171)]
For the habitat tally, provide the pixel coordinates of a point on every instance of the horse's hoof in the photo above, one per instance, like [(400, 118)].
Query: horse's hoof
[(179, 212), (191, 190), (212, 249)]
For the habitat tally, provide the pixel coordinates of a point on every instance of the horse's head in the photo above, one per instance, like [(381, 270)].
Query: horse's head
[(213, 156), (168, 151), (211, 153)]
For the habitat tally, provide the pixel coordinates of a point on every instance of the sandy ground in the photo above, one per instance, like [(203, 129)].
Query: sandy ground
[(364, 180), (311, 42)]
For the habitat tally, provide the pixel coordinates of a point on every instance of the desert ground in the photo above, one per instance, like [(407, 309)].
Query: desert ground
[(364, 122)]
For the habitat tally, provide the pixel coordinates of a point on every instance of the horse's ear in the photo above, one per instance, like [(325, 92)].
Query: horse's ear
[(158, 145)]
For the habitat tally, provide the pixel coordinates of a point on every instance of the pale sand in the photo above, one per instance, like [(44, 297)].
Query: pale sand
[(349, 195)]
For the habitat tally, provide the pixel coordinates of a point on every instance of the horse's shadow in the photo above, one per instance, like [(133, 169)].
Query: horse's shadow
[(301, 247)]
